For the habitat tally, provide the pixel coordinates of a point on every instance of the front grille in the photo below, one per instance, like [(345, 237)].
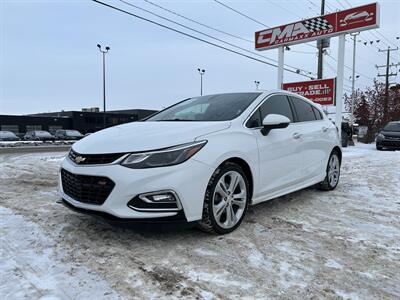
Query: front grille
[(388, 143), (86, 189), (392, 138), (93, 159)]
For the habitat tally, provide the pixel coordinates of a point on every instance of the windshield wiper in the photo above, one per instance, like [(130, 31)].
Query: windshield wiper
[(181, 120)]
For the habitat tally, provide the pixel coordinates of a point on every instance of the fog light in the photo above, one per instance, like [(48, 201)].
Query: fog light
[(156, 201), (159, 198)]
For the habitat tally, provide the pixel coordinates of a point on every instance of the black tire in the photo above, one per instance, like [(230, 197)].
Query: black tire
[(379, 148), (326, 184), (208, 222)]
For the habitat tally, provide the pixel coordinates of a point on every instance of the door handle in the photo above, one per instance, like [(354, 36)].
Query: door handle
[(324, 129), (297, 135)]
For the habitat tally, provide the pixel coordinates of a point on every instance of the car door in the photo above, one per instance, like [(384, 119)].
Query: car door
[(279, 150), (310, 124)]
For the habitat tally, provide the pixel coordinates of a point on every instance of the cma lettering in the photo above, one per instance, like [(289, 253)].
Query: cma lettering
[(290, 33)]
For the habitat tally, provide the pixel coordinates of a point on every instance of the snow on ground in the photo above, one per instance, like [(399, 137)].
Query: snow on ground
[(343, 244)]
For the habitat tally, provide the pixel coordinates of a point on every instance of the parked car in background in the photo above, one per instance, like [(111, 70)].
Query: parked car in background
[(204, 160), (62, 134), (389, 136), (39, 135), (8, 136)]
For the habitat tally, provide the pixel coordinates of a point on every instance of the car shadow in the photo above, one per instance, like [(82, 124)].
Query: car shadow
[(170, 230)]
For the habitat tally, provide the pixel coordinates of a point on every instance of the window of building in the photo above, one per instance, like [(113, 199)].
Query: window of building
[(54, 128), (33, 127), (12, 128)]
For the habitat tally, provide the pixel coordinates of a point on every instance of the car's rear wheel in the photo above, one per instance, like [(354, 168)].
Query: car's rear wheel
[(226, 199), (332, 172)]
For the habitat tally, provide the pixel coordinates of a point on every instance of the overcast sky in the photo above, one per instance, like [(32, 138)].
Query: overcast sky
[(49, 60)]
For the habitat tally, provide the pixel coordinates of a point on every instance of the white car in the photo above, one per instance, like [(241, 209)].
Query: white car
[(204, 160)]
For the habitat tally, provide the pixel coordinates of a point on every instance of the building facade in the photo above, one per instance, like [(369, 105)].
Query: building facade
[(83, 121)]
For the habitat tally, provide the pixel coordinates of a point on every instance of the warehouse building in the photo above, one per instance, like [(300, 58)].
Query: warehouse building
[(85, 121)]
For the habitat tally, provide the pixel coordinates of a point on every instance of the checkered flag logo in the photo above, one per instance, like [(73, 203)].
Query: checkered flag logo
[(317, 24)]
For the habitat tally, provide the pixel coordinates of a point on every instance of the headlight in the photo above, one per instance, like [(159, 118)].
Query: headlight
[(380, 136), (162, 158)]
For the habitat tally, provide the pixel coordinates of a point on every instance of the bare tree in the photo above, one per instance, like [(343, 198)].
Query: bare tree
[(369, 107)]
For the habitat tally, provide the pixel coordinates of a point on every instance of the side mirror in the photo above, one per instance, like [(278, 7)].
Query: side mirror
[(273, 121)]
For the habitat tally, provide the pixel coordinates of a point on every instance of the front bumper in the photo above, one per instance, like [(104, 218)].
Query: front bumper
[(188, 180), (388, 143)]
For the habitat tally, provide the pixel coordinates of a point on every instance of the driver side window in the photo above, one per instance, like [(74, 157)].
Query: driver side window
[(277, 104)]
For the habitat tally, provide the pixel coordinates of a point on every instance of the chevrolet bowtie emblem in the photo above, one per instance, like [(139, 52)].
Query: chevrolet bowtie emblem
[(79, 159)]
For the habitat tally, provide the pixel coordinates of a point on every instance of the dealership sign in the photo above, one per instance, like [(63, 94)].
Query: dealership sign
[(341, 22), (321, 91)]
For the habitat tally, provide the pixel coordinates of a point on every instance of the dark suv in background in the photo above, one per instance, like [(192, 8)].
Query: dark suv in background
[(389, 136)]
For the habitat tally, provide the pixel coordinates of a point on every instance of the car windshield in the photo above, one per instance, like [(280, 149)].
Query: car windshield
[(220, 107), (73, 133), (42, 133), (392, 127)]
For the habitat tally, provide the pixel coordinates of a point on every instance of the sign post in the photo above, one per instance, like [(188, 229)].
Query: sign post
[(339, 82), (281, 61)]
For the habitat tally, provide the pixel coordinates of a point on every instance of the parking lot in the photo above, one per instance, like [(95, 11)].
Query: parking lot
[(310, 244)]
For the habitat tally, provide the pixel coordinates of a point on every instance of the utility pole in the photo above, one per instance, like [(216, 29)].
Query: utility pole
[(201, 72), (387, 75), (104, 82), (320, 46)]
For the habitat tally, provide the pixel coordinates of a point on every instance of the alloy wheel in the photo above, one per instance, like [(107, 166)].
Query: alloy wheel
[(333, 170), (229, 199)]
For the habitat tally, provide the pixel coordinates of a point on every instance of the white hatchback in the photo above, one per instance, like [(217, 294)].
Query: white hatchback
[(204, 160)]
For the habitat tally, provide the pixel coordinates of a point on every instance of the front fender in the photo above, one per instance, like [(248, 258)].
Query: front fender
[(234, 144)]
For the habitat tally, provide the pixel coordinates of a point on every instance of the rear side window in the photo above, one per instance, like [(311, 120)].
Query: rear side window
[(304, 110), (317, 113)]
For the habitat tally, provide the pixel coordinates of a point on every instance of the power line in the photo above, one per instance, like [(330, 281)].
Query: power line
[(240, 13), (189, 35), (199, 23), (224, 32), (205, 34)]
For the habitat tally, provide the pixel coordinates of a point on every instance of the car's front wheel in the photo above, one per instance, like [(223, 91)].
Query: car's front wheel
[(332, 172), (226, 199)]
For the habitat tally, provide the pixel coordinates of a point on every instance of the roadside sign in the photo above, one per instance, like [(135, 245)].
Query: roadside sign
[(342, 22), (321, 91)]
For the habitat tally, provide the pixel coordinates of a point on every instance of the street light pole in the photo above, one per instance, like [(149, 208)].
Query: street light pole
[(201, 72), (103, 52), (257, 84)]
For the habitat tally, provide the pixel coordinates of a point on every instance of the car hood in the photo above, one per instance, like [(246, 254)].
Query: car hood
[(144, 136)]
